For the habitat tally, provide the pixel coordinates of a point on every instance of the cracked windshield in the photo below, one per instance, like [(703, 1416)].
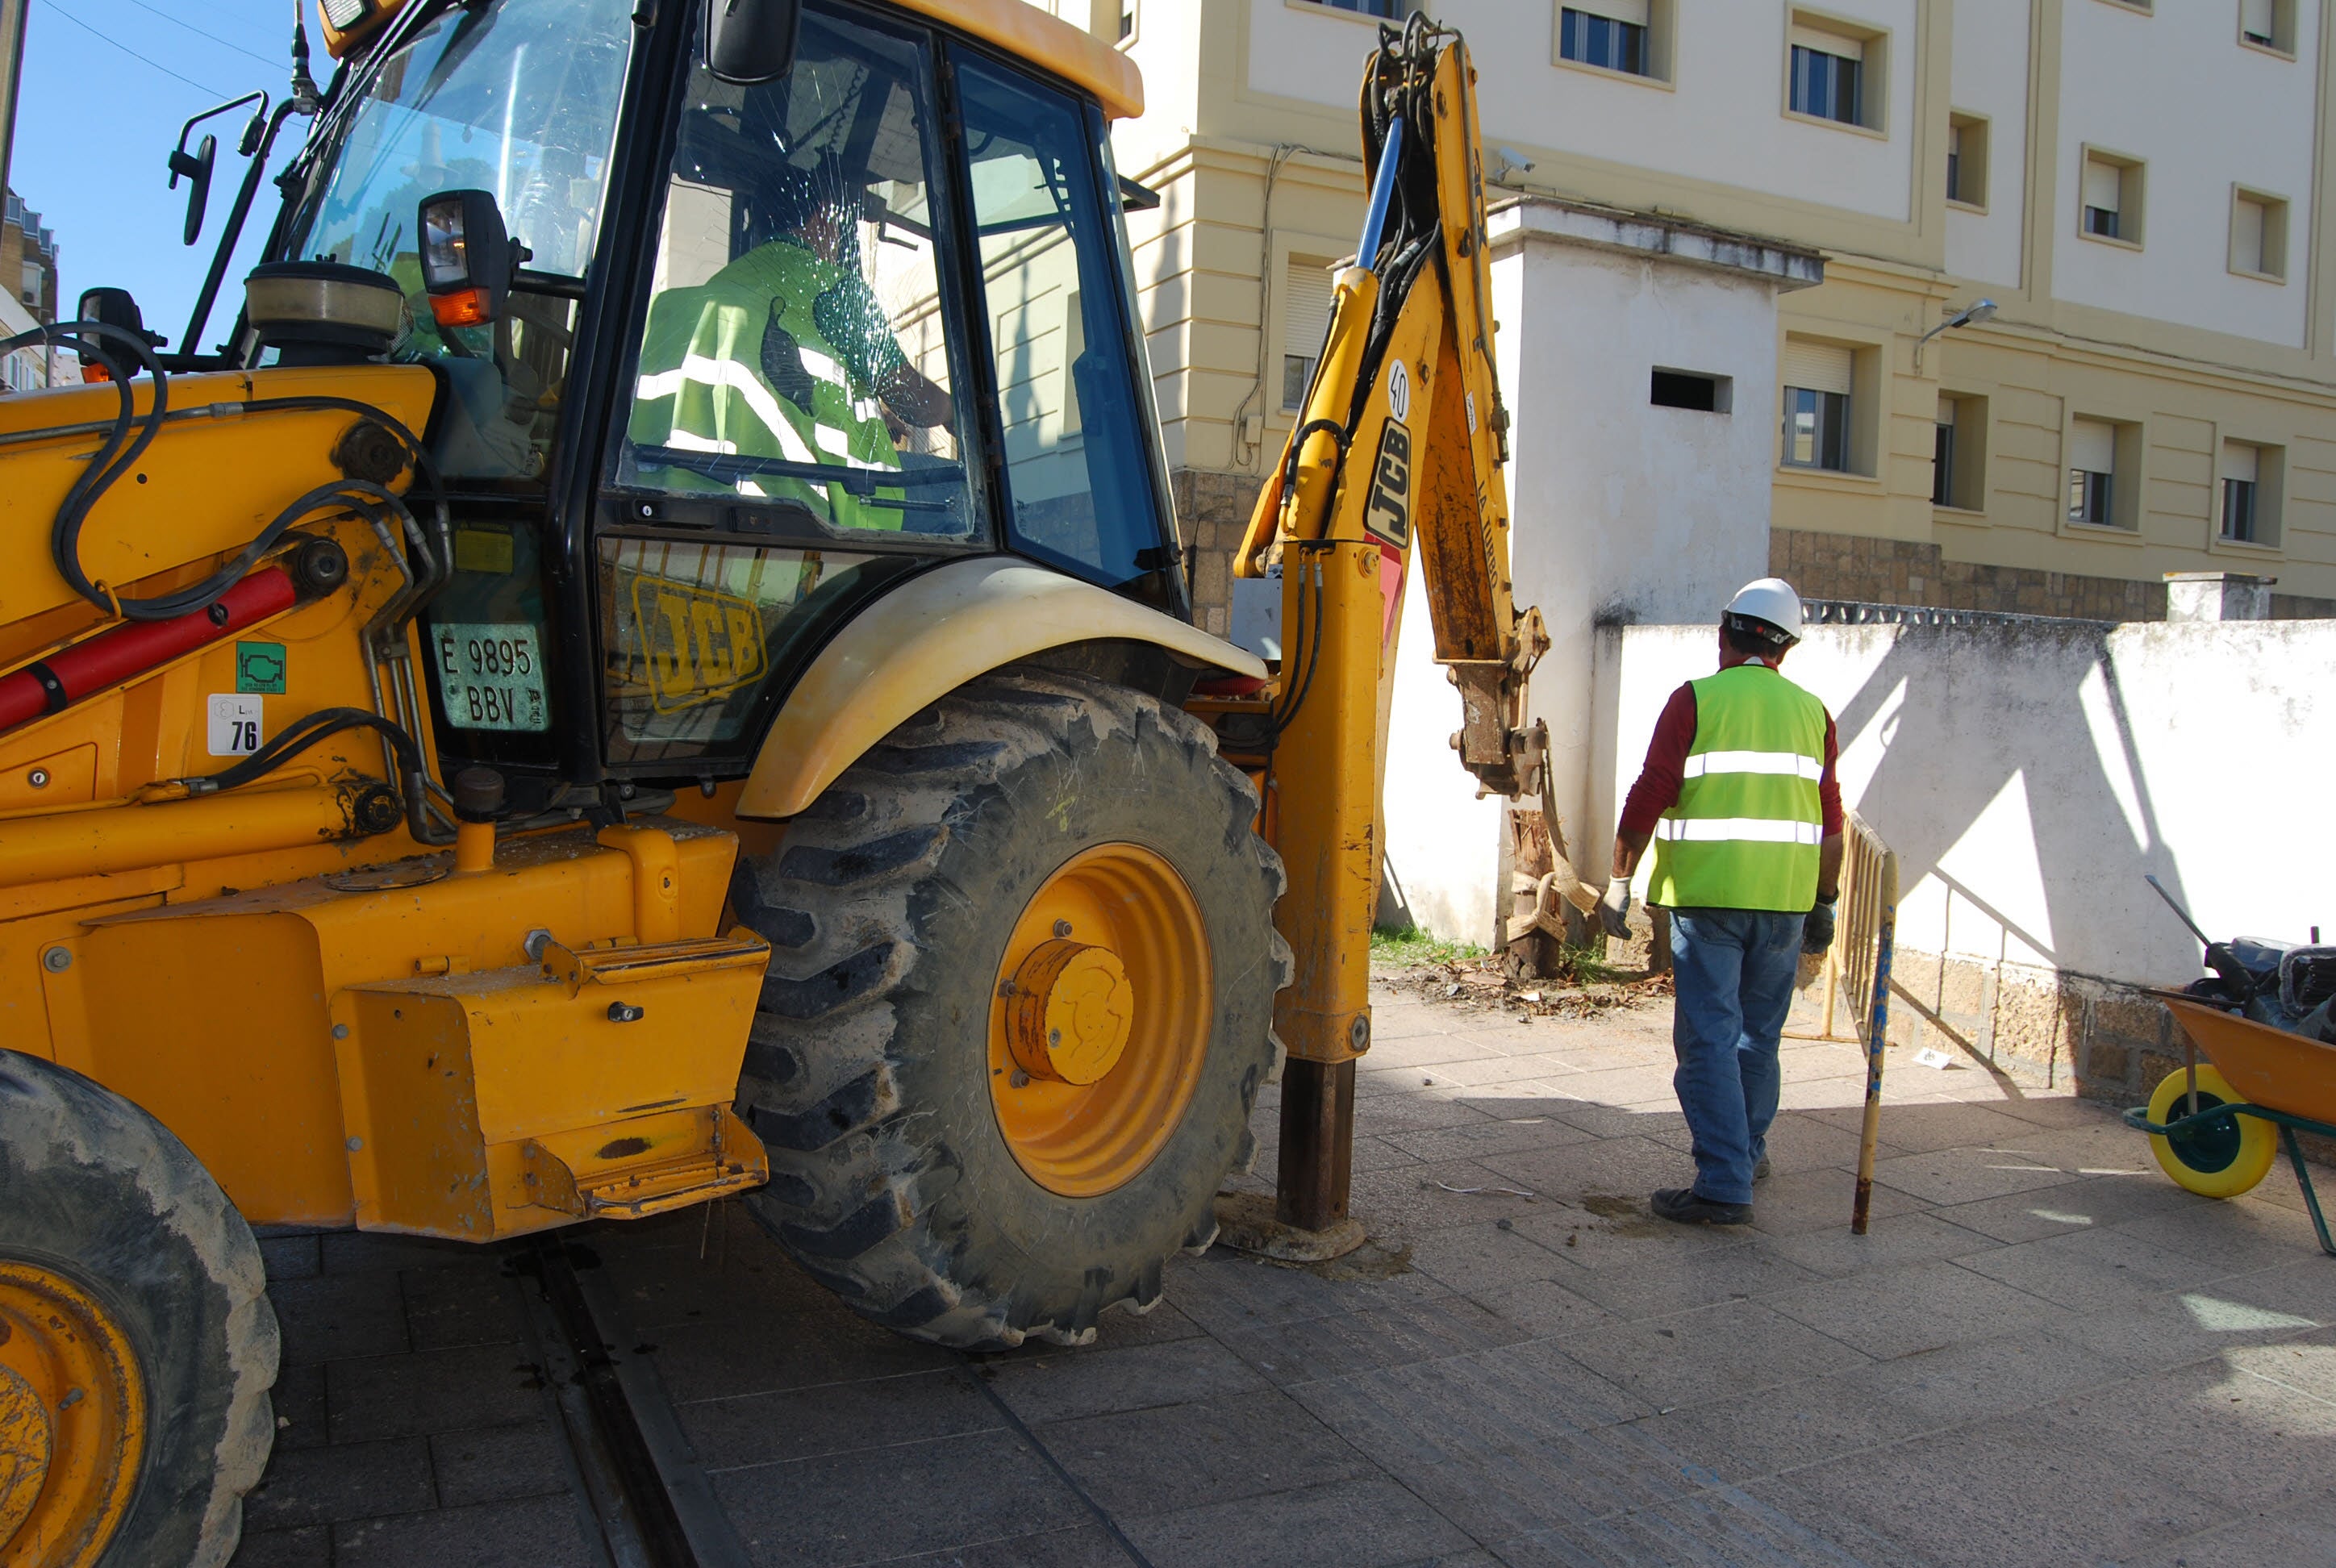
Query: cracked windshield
[(796, 353)]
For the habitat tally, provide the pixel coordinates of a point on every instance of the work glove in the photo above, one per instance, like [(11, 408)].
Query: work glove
[(1816, 927), (1614, 909)]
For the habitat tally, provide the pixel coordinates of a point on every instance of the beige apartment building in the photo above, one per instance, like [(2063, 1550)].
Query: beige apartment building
[(2139, 187)]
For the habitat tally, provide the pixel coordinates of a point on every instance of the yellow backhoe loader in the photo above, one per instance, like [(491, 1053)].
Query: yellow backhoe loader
[(654, 662)]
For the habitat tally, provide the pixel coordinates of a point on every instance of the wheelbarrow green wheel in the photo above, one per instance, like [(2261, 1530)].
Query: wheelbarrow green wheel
[(2216, 1159)]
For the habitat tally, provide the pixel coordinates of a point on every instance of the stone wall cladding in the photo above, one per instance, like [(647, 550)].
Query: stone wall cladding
[(2041, 1029), (1911, 572), (1212, 510)]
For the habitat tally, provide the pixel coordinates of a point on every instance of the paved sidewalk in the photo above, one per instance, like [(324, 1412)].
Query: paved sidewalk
[(2044, 1353)]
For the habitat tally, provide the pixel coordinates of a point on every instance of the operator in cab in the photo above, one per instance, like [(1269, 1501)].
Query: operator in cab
[(786, 353), (1740, 798)]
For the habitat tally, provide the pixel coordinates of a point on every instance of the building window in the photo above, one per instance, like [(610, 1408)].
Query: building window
[(1967, 160), (1828, 77), (1609, 34), (1818, 378), (1959, 454), (2111, 193), (2252, 483), (1305, 323), (1390, 9), (2268, 25), (2101, 480), (1127, 19), (1691, 390), (2258, 234)]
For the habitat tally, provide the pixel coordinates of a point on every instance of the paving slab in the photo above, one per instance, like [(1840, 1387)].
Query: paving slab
[(2042, 1352)]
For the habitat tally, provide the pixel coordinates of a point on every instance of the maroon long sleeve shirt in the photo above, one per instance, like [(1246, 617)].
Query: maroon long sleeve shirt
[(1657, 789)]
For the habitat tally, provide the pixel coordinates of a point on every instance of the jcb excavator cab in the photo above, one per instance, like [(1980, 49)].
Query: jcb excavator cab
[(774, 345), (708, 707)]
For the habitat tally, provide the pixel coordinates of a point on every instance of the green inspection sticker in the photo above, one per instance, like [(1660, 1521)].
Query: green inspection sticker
[(259, 667)]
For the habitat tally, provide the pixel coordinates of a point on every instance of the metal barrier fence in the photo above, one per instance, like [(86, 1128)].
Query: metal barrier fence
[(1856, 978)]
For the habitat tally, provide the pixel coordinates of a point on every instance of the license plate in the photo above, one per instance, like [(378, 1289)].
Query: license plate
[(491, 673)]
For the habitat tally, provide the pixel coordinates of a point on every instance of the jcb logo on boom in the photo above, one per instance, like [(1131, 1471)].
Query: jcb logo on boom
[(1389, 512), (698, 644)]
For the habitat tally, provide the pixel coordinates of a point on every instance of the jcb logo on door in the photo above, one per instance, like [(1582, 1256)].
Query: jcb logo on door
[(698, 644)]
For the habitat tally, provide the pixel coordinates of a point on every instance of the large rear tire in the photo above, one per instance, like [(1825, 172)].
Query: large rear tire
[(1085, 842), (137, 1345)]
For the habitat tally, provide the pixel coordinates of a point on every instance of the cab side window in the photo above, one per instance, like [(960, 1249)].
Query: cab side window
[(795, 355), (1081, 491)]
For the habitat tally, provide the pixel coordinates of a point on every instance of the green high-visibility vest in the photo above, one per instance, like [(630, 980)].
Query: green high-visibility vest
[(782, 355), (1746, 832)]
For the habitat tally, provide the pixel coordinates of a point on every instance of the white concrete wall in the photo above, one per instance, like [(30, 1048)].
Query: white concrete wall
[(1620, 510), (1990, 79), (2176, 89), (2028, 777), (1443, 843)]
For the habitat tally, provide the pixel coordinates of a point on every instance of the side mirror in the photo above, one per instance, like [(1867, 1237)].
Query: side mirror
[(751, 42), (467, 256), (114, 307), (197, 168)]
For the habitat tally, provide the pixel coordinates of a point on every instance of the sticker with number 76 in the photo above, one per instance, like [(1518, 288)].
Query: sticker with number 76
[(235, 724)]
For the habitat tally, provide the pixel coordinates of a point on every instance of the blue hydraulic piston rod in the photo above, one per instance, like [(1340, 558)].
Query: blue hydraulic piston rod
[(1382, 195)]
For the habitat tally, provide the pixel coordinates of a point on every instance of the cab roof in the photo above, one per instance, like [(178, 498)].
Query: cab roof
[(1019, 28)]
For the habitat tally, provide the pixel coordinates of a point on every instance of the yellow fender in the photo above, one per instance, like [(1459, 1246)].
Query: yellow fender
[(931, 635)]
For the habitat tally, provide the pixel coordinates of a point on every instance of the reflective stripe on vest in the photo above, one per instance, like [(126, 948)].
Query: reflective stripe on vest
[(742, 364), (1746, 828)]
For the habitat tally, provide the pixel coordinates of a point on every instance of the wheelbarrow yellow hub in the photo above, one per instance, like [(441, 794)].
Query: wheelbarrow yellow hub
[(72, 1419)]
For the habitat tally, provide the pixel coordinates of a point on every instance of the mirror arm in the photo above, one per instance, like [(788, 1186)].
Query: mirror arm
[(192, 343)]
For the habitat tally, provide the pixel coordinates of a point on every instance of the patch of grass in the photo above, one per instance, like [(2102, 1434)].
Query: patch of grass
[(1413, 946), (1586, 965)]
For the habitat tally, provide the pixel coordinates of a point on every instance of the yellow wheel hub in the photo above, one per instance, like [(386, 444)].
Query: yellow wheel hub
[(1099, 1024), (1071, 1012), (72, 1419)]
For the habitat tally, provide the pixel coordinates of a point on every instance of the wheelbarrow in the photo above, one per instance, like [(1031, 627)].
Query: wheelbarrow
[(2212, 1125)]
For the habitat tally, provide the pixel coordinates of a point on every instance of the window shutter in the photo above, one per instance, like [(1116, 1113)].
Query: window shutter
[(2092, 446), (1954, 140), (1305, 308), (2103, 184), (2240, 461), (2255, 18), (1634, 12), (1827, 43), (2247, 236), (1818, 366)]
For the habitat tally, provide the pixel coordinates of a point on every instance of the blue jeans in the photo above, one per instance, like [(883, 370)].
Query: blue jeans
[(1734, 972)]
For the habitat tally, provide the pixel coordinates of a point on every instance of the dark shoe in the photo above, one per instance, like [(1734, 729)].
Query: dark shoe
[(1680, 1204), (1760, 1170)]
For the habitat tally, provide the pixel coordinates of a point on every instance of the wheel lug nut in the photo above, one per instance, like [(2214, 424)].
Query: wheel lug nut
[(1062, 928)]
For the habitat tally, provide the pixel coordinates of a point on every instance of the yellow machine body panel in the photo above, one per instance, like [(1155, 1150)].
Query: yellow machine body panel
[(219, 1014), (218, 473)]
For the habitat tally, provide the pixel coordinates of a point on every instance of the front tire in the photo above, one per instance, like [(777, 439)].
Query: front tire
[(137, 1345), (1019, 827)]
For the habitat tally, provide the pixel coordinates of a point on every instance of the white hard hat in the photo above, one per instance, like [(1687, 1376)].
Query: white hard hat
[(1771, 599)]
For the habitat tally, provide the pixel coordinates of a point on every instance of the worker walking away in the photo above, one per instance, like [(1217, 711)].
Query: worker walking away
[(1740, 798)]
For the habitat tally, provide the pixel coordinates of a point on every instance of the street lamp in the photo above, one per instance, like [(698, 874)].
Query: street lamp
[(1977, 310)]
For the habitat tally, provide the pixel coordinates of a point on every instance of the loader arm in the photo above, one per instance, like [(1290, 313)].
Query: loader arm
[(1399, 447)]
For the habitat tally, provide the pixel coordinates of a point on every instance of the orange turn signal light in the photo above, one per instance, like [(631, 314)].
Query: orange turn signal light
[(95, 373), (464, 307)]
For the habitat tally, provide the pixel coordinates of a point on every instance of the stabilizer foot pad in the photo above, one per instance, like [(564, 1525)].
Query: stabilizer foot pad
[(1246, 1222)]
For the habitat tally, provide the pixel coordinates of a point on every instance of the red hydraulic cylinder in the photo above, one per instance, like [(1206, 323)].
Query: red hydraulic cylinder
[(55, 683)]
